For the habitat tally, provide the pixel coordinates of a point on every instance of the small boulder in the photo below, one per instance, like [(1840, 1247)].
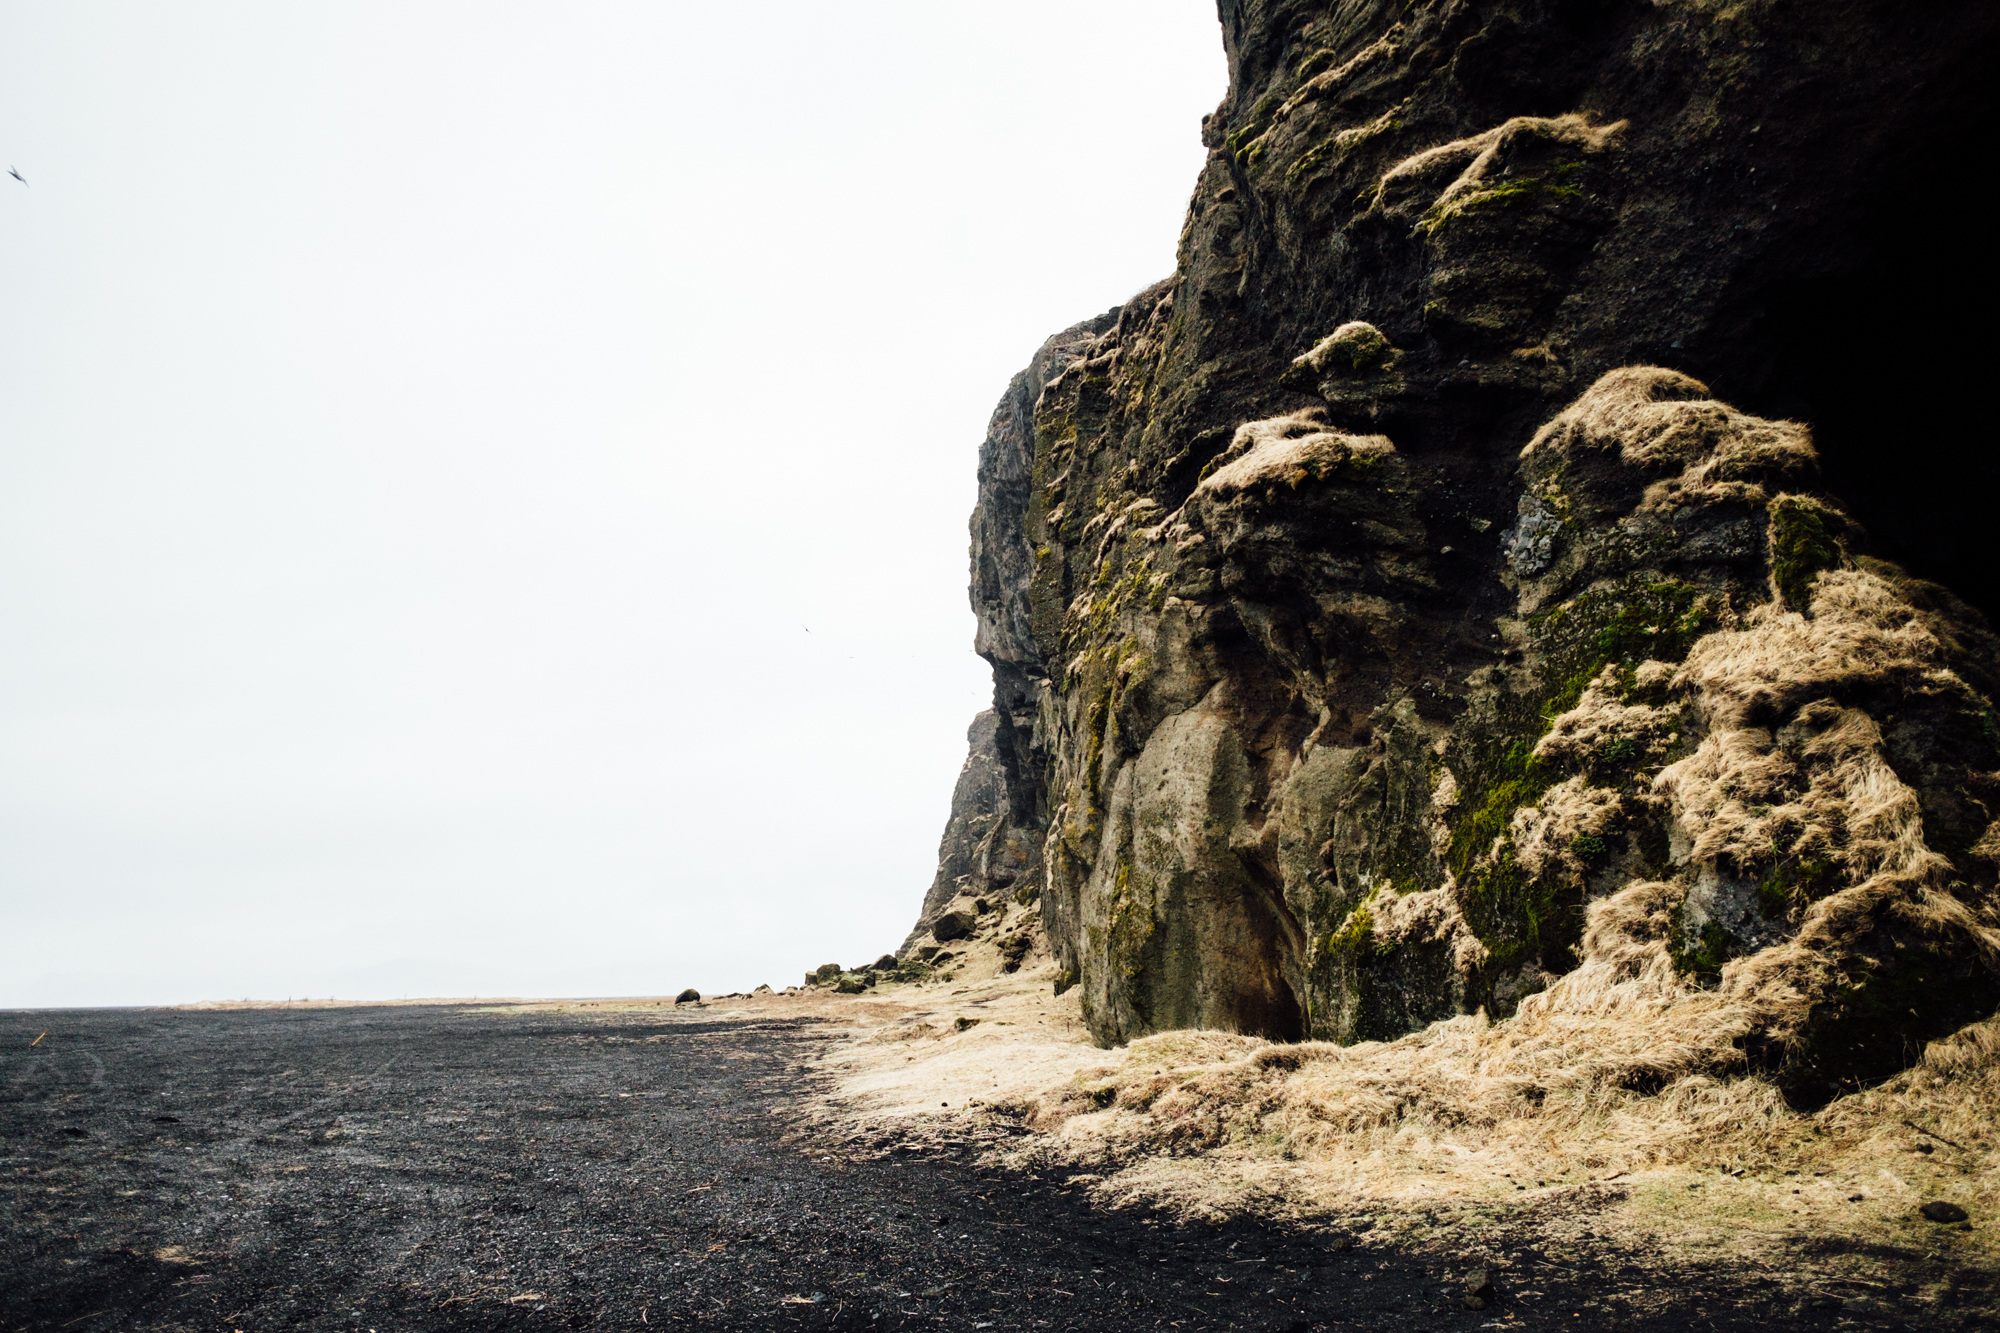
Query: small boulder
[(853, 983), (823, 974), (688, 996), (886, 963), (1479, 1292), (1939, 1211), (953, 926), (1012, 951), (761, 990), (926, 952)]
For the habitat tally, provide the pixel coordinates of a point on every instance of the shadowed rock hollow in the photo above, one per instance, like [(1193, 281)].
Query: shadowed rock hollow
[(1467, 576)]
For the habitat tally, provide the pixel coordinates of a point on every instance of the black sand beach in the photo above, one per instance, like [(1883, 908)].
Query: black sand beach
[(449, 1168)]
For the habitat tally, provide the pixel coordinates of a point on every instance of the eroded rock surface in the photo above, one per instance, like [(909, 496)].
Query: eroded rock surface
[(1472, 564)]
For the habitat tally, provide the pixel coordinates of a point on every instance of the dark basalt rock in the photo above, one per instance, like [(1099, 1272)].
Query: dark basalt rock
[(1473, 563), (953, 926)]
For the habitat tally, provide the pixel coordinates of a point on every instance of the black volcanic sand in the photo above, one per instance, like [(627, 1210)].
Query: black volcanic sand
[(447, 1168)]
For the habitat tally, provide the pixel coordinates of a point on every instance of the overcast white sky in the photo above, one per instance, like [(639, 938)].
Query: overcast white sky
[(483, 486)]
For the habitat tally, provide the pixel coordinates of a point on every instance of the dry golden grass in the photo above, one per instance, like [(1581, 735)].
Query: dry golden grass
[(1707, 1172), (1469, 1138)]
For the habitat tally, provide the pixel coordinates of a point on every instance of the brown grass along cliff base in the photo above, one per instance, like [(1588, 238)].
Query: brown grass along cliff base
[(1474, 1141)]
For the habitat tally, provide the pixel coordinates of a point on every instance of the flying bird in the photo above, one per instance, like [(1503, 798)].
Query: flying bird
[(17, 175)]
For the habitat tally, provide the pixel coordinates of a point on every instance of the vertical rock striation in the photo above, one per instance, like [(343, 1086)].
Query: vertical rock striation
[(1438, 586)]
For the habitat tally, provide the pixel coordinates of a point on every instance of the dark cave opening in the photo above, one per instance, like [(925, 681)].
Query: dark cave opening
[(1275, 1010), (1889, 359)]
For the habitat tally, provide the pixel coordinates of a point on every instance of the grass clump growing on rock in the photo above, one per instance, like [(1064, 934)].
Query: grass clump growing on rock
[(1516, 193)]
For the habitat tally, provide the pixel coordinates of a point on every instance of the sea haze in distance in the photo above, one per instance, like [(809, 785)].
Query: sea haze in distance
[(485, 485)]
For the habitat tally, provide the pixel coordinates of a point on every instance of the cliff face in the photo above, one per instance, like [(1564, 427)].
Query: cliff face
[(992, 844), (1471, 567)]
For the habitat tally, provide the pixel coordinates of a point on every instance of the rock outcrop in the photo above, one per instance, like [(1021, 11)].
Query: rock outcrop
[(988, 852), (1472, 567)]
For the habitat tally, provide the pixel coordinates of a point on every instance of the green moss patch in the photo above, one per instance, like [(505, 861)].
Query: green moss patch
[(1517, 916), (1333, 150), (1259, 121), (1131, 925), (1702, 956), (1354, 940), (1518, 779), (1635, 623), (1793, 884), (1521, 192), (1801, 547)]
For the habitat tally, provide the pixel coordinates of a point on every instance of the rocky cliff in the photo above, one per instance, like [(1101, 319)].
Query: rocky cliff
[(1512, 547)]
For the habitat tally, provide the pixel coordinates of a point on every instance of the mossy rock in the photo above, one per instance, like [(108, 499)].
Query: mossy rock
[(1898, 991), (1801, 548), (1352, 349)]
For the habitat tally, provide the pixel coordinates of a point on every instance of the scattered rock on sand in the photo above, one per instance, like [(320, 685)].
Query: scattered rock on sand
[(1939, 1211), (1479, 1291), (688, 996)]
